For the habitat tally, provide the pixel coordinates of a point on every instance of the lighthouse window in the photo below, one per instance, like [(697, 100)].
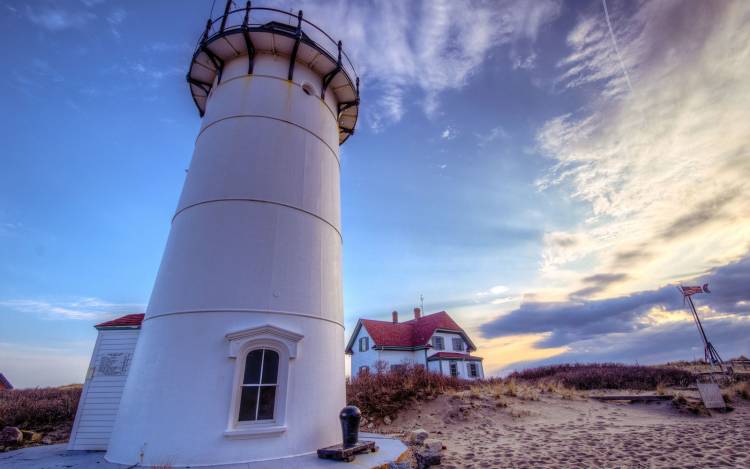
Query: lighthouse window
[(258, 397)]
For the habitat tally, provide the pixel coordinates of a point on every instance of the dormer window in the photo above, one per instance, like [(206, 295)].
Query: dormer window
[(438, 343), (364, 344), (458, 344)]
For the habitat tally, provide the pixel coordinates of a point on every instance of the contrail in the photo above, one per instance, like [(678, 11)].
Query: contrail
[(614, 43)]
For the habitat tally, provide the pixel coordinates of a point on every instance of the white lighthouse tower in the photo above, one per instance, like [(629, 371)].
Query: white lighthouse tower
[(240, 356)]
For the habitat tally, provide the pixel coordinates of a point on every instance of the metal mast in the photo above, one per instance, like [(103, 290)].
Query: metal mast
[(709, 351)]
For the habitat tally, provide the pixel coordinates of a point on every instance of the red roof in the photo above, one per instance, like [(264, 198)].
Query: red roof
[(453, 356), (412, 333), (129, 320)]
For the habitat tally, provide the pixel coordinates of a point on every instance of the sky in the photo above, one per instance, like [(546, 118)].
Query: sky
[(547, 172)]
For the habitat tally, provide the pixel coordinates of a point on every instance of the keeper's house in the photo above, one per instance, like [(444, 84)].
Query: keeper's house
[(433, 340)]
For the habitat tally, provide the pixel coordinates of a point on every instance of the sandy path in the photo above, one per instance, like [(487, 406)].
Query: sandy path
[(556, 433)]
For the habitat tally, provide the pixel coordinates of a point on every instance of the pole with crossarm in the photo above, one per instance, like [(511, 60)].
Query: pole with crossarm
[(711, 354)]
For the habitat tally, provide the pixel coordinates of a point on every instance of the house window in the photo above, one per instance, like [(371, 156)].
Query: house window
[(458, 344), (438, 343), (258, 393), (473, 371), (363, 370), (364, 344), (454, 369), (398, 367)]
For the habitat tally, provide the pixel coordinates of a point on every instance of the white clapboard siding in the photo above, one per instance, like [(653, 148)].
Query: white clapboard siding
[(102, 390)]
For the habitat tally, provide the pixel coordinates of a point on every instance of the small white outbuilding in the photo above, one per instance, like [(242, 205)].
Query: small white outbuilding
[(104, 382)]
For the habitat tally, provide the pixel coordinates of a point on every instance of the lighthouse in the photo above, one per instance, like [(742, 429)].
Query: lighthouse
[(240, 355)]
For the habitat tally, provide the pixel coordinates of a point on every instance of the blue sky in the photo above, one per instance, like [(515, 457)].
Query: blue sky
[(538, 175)]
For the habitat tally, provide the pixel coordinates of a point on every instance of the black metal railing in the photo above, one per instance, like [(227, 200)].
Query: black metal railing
[(256, 17)]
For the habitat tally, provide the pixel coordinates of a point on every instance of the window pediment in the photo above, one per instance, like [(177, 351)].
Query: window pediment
[(238, 340)]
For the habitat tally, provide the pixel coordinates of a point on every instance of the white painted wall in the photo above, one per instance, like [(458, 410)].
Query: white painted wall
[(102, 389), (434, 366), (399, 357), (358, 358), (255, 240)]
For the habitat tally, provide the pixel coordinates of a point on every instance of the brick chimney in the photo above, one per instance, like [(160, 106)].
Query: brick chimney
[(417, 313), (395, 317)]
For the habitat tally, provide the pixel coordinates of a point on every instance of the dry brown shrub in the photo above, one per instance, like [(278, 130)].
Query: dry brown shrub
[(741, 390), (691, 406), (39, 408), (606, 376), (386, 393)]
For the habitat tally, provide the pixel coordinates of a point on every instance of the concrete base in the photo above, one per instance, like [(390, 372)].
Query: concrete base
[(58, 457)]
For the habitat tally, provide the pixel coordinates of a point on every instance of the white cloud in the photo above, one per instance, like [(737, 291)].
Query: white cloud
[(448, 134), (664, 170), (82, 308), (494, 134), (117, 16), (496, 290), (159, 46), (504, 300), (57, 19), (524, 63), (430, 46)]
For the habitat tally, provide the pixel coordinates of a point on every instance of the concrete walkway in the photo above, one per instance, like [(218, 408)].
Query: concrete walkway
[(58, 457)]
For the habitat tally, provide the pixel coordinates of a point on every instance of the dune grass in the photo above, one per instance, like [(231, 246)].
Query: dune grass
[(607, 376)]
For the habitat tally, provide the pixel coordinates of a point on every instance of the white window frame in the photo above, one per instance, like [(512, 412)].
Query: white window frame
[(363, 369), (364, 344), (260, 385), (451, 367), (473, 370), (243, 342), (460, 342), (435, 340)]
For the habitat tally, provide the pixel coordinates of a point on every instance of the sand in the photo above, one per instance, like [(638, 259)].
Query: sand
[(553, 432)]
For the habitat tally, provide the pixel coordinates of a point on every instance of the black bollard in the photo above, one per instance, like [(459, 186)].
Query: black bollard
[(350, 417)]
